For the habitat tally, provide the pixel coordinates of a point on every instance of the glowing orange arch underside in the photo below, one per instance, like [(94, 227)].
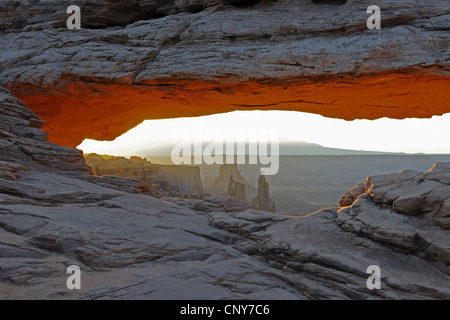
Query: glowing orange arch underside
[(75, 109)]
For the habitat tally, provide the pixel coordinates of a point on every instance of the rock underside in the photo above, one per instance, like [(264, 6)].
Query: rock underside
[(129, 244)]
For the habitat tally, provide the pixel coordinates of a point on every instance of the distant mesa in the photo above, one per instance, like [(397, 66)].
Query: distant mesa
[(220, 184), (162, 178), (287, 147), (231, 180)]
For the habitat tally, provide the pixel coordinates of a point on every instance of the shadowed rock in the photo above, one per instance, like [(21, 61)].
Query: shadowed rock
[(24, 144), (236, 189), (263, 200)]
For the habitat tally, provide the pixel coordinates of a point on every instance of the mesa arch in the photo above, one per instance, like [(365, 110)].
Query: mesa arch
[(162, 61), (103, 111)]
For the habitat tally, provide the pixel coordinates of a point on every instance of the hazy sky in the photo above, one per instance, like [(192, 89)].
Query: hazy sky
[(407, 135)]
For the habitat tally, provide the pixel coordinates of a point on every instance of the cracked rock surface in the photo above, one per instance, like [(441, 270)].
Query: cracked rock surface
[(137, 60), (265, 40), (131, 245)]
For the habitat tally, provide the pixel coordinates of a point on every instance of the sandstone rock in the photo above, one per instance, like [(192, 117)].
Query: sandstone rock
[(221, 183), (185, 179), (37, 15), (263, 200), (10, 170), (145, 62), (133, 246), (293, 55), (236, 189), (24, 145), (415, 193), (181, 179), (223, 203), (350, 197), (407, 210)]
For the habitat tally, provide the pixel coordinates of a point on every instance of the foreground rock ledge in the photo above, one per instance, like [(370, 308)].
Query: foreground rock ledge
[(131, 245)]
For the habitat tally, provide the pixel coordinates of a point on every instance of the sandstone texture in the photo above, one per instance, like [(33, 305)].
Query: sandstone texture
[(24, 145), (222, 203), (409, 210), (137, 60), (130, 245), (348, 198)]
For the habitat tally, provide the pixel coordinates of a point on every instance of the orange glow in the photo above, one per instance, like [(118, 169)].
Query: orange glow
[(76, 109)]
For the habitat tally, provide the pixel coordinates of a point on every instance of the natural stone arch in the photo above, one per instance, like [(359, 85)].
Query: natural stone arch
[(78, 109), (271, 55)]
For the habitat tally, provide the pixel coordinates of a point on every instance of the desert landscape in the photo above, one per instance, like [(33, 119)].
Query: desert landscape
[(139, 227), (307, 183)]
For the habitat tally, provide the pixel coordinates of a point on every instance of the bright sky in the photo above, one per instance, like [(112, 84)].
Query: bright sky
[(406, 135)]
